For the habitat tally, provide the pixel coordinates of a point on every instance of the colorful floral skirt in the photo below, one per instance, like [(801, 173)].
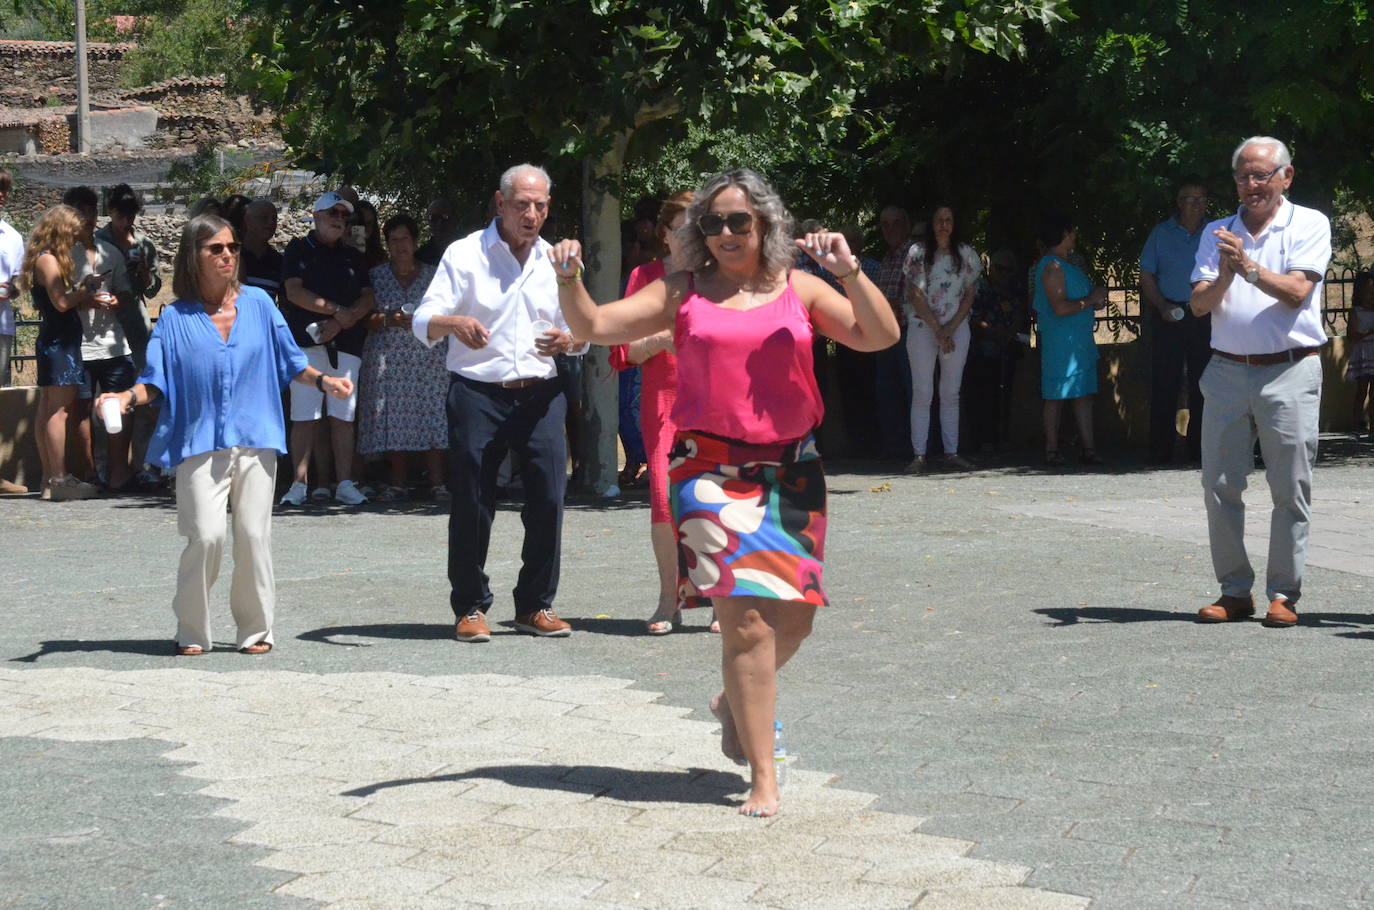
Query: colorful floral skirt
[(750, 518)]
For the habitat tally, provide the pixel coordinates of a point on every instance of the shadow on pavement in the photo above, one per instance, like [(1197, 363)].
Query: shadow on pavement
[(405, 631), (635, 627), (694, 785), (1068, 616), (158, 646)]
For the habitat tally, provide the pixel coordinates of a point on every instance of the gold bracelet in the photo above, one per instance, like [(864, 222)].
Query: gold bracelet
[(565, 280), (849, 274)]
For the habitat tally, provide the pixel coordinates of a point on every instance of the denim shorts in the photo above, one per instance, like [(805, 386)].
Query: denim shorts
[(59, 363)]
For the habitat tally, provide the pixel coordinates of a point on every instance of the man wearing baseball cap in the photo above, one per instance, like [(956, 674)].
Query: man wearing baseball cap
[(326, 286)]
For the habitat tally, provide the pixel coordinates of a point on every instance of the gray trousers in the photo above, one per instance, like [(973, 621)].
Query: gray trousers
[(1279, 405)]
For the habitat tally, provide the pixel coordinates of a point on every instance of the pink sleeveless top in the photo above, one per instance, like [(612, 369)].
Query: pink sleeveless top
[(746, 374)]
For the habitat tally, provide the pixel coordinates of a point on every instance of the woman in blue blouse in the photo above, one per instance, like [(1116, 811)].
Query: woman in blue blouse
[(219, 358), (1064, 303)]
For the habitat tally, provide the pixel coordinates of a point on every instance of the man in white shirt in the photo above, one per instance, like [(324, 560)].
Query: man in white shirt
[(492, 290), (11, 259), (1259, 273)]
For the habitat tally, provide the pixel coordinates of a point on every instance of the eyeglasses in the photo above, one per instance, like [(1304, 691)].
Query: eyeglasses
[(217, 249), (712, 223), (1259, 179)]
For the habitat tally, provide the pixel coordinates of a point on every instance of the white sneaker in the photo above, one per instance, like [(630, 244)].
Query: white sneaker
[(294, 496), (349, 494), (320, 494)]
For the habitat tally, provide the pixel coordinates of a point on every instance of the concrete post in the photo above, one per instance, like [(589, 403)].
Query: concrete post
[(83, 85)]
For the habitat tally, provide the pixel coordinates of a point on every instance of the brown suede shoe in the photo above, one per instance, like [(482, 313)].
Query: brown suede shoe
[(543, 623), (1279, 616), (1228, 608), (473, 627)]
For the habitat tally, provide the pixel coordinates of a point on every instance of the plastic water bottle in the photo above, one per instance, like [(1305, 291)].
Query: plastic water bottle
[(779, 754)]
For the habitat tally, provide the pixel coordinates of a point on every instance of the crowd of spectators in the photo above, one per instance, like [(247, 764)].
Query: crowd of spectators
[(967, 321)]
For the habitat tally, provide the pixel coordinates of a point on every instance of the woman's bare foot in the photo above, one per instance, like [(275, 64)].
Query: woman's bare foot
[(729, 736), (762, 802)]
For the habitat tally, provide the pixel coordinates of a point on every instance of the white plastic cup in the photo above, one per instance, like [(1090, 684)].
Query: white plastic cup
[(1177, 314), (4, 290), (540, 326), (112, 416), (314, 331)]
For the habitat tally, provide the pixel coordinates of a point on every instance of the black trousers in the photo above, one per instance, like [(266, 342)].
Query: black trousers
[(1174, 346), (986, 398), (484, 422), (892, 395)]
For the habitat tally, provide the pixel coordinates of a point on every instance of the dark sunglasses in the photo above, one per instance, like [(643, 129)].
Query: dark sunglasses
[(218, 248), (712, 223)]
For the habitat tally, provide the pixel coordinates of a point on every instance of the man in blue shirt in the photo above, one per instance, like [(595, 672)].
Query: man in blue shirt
[(1177, 337)]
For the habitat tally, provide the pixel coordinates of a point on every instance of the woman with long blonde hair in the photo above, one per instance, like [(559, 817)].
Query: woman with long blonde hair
[(49, 274)]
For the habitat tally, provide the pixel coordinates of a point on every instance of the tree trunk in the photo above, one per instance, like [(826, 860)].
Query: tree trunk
[(600, 420)]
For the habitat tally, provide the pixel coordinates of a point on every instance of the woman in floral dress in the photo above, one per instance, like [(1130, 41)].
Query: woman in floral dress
[(941, 280), (403, 383)]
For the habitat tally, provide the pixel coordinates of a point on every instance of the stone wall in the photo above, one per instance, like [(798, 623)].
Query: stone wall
[(39, 73)]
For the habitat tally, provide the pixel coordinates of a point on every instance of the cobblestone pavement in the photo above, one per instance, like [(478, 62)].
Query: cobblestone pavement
[(1007, 706)]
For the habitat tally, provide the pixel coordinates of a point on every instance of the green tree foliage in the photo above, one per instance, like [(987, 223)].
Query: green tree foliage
[(1100, 118), (198, 38), (418, 95)]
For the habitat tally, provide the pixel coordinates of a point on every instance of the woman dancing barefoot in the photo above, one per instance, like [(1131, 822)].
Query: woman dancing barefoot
[(748, 490)]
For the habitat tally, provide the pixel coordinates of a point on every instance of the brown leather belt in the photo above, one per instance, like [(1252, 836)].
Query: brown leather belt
[(518, 383), (1266, 360)]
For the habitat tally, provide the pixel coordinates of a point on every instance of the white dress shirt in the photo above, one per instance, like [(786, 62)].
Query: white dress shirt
[(11, 260), (1249, 321), (480, 277)]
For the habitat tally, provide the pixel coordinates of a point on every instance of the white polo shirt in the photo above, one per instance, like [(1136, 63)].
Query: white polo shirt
[(1249, 321), (11, 260), (480, 277)]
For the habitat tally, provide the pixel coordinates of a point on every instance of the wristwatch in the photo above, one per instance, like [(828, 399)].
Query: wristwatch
[(1252, 276)]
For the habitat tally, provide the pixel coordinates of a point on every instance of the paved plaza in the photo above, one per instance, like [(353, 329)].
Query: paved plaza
[(1007, 706)]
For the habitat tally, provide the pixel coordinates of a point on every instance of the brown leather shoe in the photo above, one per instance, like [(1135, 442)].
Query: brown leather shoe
[(1228, 608), (543, 623), (1279, 616), (473, 627)]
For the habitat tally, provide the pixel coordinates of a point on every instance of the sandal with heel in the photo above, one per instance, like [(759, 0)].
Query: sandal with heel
[(662, 626)]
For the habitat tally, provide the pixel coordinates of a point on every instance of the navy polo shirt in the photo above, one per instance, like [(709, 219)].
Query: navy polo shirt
[(337, 273)]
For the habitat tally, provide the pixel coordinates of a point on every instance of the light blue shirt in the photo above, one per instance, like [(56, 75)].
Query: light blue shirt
[(1168, 255), (218, 394)]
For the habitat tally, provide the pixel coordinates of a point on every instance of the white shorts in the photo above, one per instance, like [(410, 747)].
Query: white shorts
[(309, 403)]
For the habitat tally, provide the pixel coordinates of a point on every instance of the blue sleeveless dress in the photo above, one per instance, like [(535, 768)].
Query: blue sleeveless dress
[(1068, 353)]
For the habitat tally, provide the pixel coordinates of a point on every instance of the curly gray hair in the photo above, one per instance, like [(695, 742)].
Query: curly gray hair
[(777, 251)]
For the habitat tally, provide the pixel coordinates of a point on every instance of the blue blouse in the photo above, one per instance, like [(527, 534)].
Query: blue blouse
[(218, 394)]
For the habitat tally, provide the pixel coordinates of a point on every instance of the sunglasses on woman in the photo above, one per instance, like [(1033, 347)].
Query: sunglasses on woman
[(218, 248), (712, 223)]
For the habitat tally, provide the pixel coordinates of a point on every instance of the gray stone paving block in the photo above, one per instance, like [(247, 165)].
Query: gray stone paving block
[(671, 889), (945, 872), (1002, 899), (453, 838), (500, 891), (835, 896)]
